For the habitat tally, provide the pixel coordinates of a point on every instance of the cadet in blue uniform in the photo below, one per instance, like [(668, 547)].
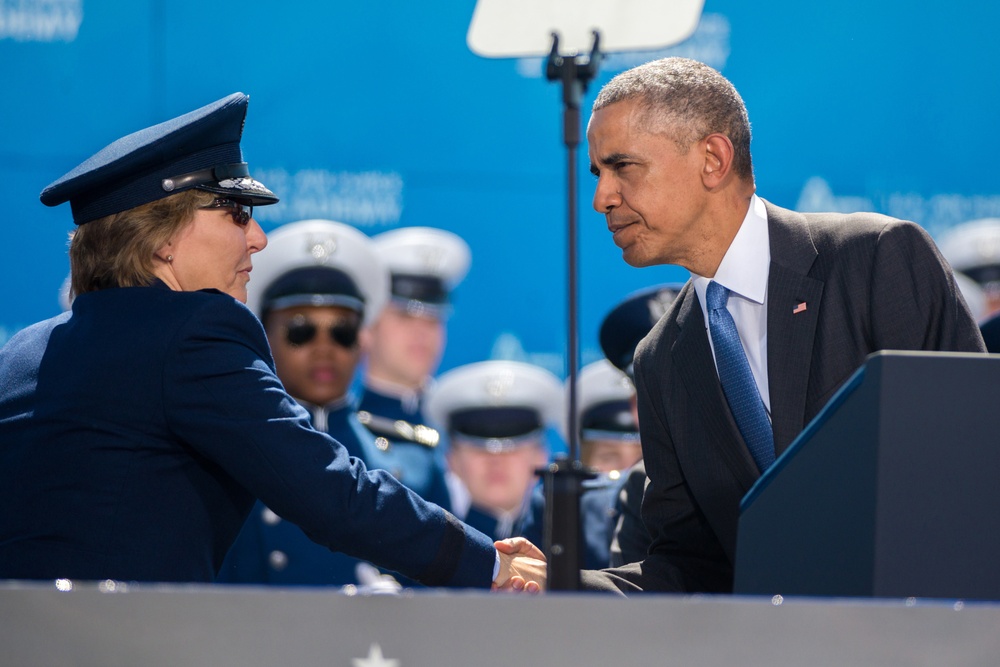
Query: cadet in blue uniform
[(609, 427), (314, 288), (137, 429), (403, 349), (496, 415)]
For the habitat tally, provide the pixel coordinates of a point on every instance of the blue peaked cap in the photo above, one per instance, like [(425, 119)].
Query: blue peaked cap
[(200, 149), (628, 323)]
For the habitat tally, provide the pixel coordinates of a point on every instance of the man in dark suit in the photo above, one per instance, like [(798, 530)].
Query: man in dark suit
[(810, 295)]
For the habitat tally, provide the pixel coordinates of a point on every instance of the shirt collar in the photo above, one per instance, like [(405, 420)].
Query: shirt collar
[(745, 266), (347, 400)]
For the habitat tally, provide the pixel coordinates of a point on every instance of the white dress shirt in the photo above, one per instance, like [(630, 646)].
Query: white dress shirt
[(743, 271)]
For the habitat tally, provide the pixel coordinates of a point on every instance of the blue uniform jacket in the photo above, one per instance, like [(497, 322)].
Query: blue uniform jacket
[(270, 550), (416, 465), (136, 431)]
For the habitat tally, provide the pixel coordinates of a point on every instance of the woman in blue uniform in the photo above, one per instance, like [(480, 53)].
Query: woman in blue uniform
[(314, 289), (137, 429)]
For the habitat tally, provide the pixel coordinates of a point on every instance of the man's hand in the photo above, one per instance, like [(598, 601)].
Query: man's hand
[(522, 566)]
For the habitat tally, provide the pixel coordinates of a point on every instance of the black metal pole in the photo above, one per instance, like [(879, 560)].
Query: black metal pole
[(563, 479)]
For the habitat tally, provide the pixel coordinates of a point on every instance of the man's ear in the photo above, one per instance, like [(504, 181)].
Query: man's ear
[(718, 151)]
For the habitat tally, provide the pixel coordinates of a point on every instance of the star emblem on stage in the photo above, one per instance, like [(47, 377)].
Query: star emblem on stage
[(374, 659)]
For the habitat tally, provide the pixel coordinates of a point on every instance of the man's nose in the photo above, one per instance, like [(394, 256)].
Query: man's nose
[(606, 196)]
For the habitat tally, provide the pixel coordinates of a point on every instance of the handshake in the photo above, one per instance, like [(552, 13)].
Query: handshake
[(522, 566)]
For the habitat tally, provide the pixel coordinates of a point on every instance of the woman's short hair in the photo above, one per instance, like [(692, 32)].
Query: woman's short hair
[(117, 250)]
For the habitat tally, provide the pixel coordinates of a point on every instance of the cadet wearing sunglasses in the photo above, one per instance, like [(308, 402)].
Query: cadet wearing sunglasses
[(301, 330), (315, 350), (314, 287)]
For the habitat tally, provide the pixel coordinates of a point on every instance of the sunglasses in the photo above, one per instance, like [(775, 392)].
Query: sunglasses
[(300, 331), (241, 212)]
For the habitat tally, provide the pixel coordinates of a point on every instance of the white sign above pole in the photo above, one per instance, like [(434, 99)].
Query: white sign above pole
[(523, 28)]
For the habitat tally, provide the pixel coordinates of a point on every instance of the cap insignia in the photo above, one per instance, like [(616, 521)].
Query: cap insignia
[(499, 385), (322, 250)]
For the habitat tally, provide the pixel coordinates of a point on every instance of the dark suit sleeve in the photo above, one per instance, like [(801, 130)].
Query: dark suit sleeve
[(630, 540), (916, 304), (224, 399), (685, 555)]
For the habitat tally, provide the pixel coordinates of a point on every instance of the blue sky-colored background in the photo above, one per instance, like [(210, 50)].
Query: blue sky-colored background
[(377, 114)]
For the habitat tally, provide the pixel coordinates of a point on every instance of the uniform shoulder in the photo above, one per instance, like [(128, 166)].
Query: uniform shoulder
[(167, 314), (32, 338)]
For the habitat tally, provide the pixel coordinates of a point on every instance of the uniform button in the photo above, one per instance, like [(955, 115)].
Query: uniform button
[(278, 560), (382, 444), (269, 517)]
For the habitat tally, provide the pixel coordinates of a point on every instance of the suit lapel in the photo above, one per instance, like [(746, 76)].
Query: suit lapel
[(793, 303), (713, 424)]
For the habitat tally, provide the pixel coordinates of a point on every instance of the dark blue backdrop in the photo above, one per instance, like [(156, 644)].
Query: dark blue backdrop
[(377, 114)]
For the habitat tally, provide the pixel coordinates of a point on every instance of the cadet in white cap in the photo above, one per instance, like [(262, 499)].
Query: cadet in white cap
[(404, 347), (609, 428), (973, 249), (496, 415), (314, 288)]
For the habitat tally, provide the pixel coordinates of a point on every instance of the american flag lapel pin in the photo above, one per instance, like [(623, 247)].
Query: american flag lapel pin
[(799, 308)]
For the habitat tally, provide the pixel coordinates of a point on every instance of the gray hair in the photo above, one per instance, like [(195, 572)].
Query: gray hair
[(688, 100)]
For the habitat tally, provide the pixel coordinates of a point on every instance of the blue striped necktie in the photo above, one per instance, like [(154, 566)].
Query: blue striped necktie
[(737, 379)]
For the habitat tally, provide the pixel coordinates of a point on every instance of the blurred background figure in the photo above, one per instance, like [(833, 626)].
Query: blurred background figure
[(609, 427), (627, 324), (990, 328), (975, 297), (403, 349), (496, 415), (973, 249), (66, 293), (314, 288)]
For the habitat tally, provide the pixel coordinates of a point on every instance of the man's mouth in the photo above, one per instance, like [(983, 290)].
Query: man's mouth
[(617, 230)]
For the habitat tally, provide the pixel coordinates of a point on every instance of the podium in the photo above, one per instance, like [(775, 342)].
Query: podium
[(893, 490)]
